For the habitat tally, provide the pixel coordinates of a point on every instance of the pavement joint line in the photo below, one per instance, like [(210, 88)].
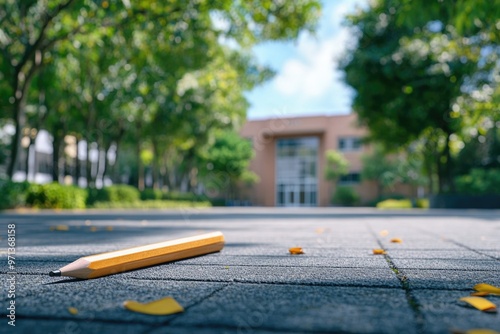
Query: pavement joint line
[(231, 281), (405, 285), (220, 329), (168, 321), (267, 282), (458, 244), (473, 250), (82, 320)]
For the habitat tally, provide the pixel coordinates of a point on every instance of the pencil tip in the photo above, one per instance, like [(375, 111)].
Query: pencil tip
[(55, 273)]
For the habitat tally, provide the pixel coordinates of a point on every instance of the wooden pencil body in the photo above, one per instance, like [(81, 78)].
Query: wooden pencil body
[(143, 256)]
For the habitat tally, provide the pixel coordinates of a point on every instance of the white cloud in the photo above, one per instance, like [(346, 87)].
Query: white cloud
[(311, 73)]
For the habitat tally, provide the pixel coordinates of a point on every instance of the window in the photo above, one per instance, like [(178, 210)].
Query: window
[(296, 171), (351, 178), (349, 144)]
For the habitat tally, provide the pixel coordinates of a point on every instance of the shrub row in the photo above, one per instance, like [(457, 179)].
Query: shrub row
[(115, 194), (152, 204), (13, 194), (479, 182), (156, 194), (56, 196)]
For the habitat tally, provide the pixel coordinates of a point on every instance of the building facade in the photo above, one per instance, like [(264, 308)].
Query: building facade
[(290, 159)]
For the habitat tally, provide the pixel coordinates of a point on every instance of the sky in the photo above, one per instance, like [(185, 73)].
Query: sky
[(307, 81)]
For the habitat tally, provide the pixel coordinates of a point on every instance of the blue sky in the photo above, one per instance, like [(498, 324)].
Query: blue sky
[(307, 82)]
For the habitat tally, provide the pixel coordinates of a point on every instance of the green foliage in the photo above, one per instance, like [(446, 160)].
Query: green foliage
[(183, 196), (395, 204), (12, 194), (336, 165), (345, 196), (481, 151), (151, 204), (388, 170), (229, 154), (417, 77), (226, 162), (479, 182), (151, 73), (422, 203), (151, 194), (115, 194), (55, 196)]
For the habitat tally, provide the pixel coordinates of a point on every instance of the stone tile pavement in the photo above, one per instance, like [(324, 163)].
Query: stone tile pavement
[(254, 285)]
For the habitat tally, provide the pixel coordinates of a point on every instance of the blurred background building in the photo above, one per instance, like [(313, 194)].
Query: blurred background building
[(290, 160)]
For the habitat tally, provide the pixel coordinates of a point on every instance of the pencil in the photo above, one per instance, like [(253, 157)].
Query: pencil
[(143, 256)]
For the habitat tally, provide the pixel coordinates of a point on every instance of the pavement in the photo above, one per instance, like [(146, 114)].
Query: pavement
[(254, 285)]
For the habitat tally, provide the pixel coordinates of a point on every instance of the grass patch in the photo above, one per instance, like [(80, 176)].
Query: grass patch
[(151, 204), (395, 204)]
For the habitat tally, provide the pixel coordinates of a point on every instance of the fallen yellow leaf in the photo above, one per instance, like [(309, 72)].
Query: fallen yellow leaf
[(296, 250), (484, 287), (320, 230), (379, 251), (60, 228), (383, 233), (164, 306), (481, 331), (109, 228), (93, 229), (396, 241), (72, 310), (480, 293), (475, 331), (480, 303)]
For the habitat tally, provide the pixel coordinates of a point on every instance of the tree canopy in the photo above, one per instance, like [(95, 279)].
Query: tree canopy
[(157, 76), (418, 69)]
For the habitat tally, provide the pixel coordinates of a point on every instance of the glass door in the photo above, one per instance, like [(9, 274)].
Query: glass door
[(296, 171)]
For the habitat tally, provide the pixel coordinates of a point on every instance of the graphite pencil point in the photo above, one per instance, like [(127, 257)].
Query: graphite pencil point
[(55, 273)]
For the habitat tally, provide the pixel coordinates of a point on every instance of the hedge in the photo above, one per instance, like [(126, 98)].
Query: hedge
[(12, 194), (116, 194), (345, 196), (55, 196), (151, 204), (395, 204)]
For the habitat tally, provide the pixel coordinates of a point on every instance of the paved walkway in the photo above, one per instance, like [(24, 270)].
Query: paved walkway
[(254, 285)]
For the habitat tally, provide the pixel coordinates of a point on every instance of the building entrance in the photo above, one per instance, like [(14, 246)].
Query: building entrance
[(296, 171)]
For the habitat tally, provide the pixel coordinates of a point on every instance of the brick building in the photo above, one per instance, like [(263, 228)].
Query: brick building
[(290, 159)]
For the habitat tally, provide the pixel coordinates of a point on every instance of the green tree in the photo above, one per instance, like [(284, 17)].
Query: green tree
[(387, 169), (408, 76), (120, 64), (225, 164), (336, 165)]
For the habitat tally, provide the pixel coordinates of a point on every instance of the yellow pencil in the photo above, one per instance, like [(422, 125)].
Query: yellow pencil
[(143, 256)]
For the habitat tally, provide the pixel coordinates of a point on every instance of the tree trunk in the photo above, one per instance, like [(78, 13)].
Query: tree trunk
[(56, 144), (156, 165), (115, 169), (444, 166), (19, 121), (77, 165), (140, 166), (106, 163), (88, 167), (166, 174), (27, 160)]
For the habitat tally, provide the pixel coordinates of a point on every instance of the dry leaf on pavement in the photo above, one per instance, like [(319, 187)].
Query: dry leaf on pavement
[(486, 289), (73, 310), (296, 250), (480, 303), (164, 306)]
